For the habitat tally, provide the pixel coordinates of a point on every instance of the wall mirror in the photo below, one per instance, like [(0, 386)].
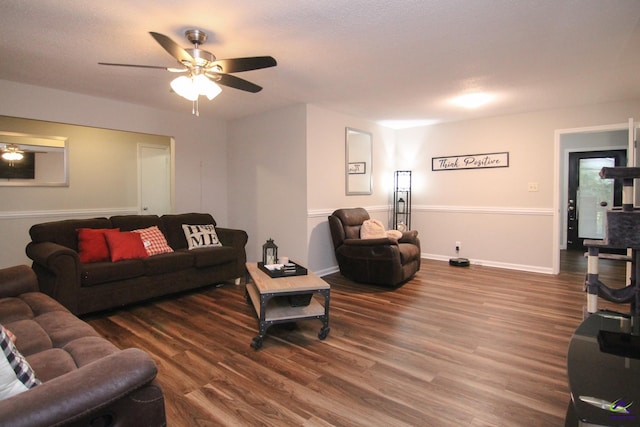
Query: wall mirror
[(358, 157), (33, 160)]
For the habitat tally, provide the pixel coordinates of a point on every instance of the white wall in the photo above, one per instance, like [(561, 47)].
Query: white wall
[(200, 156), (326, 178), (491, 211), (299, 152), (267, 175)]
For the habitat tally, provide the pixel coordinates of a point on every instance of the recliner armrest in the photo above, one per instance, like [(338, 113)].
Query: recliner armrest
[(82, 394), (410, 236), (370, 242)]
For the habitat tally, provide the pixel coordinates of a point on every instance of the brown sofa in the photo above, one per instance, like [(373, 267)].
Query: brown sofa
[(86, 380), (91, 287), (381, 261)]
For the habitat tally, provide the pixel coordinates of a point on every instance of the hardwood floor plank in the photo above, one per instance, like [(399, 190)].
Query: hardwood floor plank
[(472, 346)]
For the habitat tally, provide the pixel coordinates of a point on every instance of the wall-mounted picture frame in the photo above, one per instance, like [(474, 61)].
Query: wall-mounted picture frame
[(471, 161), (357, 168)]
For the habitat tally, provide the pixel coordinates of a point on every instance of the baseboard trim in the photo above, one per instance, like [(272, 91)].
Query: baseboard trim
[(326, 271), (503, 265)]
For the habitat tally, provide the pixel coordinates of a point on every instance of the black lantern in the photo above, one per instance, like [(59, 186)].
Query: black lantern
[(269, 252), (400, 205)]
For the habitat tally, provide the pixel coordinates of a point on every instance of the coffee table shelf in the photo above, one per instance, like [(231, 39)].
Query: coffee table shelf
[(268, 297)]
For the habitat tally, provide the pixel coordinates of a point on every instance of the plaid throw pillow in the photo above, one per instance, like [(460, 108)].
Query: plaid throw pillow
[(16, 375), (154, 241)]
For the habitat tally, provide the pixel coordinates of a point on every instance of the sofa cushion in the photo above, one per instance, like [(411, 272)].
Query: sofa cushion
[(153, 240), (63, 328), (85, 350), (173, 227), (33, 338), (16, 375), (213, 255), (103, 272), (64, 232), (136, 222), (125, 245), (92, 245), (168, 263), (199, 236), (52, 363)]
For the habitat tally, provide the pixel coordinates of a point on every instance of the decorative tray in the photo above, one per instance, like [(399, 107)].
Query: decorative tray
[(287, 270)]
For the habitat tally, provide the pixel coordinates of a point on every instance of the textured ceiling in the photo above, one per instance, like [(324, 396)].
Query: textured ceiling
[(376, 59)]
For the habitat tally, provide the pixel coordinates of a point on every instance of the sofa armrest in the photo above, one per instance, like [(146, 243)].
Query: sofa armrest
[(17, 280), (46, 254), (232, 237), (88, 393), (58, 271)]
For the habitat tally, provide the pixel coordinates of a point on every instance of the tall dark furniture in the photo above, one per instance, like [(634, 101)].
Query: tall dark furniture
[(402, 201), (603, 361)]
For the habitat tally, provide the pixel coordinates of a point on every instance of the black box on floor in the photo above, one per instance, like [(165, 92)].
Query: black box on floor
[(300, 300), (459, 262)]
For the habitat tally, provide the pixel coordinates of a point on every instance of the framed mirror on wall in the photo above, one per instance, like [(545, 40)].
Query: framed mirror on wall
[(358, 162), (33, 160)]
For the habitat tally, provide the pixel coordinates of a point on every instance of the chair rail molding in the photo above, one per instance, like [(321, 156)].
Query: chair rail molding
[(485, 210), (313, 213), (68, 213)]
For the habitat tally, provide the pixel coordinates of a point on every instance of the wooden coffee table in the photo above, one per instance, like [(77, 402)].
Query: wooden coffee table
[(262, 291)]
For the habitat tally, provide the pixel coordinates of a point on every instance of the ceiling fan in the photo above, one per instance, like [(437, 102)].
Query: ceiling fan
[(203, 70), (14, 153)]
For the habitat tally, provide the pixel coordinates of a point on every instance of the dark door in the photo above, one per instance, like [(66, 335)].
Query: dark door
[(590, 196)]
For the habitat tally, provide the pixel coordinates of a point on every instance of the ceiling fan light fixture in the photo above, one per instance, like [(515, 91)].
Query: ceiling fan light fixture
[(192, 87), (12, 156), (184, 87), (204, 86)]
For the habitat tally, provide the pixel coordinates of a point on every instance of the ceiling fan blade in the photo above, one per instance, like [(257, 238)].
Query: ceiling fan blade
[(173, 48), (174, 70), (234, 82), (237, 65)]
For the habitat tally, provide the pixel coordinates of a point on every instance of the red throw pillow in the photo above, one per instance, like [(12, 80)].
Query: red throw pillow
[(92, 246), (125, 245)]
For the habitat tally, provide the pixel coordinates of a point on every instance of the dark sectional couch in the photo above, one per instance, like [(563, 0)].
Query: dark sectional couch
[(86, 380), (91, 287)]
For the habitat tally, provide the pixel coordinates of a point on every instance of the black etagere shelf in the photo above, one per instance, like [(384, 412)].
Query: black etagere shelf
[(402, 200)]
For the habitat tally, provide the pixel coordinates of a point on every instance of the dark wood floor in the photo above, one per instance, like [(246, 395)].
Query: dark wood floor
[(474, 346)]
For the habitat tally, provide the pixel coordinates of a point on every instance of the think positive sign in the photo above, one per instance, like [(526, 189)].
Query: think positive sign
[(471, 161)]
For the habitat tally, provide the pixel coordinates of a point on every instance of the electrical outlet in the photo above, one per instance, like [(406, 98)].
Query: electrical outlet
[(532, 187), (458, 246)]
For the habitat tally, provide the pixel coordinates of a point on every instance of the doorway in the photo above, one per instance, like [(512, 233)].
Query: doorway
[(582, 140), (589, 196), (154, 166)]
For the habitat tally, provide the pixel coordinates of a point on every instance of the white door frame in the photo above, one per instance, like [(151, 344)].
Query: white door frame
[(557, 179), (170, 152)]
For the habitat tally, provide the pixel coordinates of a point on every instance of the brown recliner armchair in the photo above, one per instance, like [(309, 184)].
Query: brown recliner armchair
[(381, 261)]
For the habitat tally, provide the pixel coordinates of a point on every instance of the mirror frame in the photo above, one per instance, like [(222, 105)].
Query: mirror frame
[(43, 141), (358, 162)]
